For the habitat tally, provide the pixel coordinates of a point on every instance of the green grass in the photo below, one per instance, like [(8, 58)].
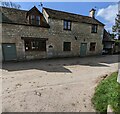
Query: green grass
[(107, 92)]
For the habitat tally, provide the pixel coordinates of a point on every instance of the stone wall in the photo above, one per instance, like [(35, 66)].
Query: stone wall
[(56, 36), (80, 30)]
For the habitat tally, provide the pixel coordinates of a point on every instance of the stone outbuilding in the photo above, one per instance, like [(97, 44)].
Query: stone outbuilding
[(50, 34), (108, 43)]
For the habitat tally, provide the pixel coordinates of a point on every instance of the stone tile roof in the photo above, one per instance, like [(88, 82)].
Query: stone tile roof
[(107, 37), (16, 16), (13, 15), (55, 14)]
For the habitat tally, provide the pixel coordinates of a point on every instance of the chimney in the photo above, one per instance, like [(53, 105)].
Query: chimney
[(92, 13)]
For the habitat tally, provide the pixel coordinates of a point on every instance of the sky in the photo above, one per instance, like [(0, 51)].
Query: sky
[(105, 11)]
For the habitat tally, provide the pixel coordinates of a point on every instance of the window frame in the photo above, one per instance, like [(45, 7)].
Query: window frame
[(94, 28), (34, 21), (37, 46), (67, 25), (92, 46), (68, 49), (38, 20)]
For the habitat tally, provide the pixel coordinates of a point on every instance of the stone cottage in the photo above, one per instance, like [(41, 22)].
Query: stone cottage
[(108, 43), (35, 35)]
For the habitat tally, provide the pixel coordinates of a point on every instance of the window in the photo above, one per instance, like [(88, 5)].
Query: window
[(67, 46), (94, 28), (67, 25), (27, 45), (92, 46), (38, 20), (35, 45), (34, 20)]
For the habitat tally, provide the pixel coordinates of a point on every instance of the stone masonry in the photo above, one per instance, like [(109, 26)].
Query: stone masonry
[(12, 33)]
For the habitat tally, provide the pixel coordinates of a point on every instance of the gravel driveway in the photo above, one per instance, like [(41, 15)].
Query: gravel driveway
[(55, 85)]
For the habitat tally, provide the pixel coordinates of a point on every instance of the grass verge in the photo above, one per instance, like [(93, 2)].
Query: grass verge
[(107, 93)]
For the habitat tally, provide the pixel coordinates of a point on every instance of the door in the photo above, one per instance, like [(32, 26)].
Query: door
[(83, 49), (9, 52)]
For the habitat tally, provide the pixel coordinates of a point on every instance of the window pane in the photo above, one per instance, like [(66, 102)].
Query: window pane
[(69, 23), (35, 45), (42, 45), (65, 24), (32, 22), (27, 45), (37, 20), (32, 17), (94, 29), (69, 27), (37, 17), (92, 46), (67, 46)]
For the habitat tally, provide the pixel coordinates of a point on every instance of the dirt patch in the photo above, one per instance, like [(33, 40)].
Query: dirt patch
[(63, 85)]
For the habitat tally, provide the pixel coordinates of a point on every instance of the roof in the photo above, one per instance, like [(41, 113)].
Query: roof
[(107, 37), (12, 15), (16, 16), (34, 8), (55, 14)]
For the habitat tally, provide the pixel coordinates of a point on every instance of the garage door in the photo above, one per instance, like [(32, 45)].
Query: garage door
[(9, 52)]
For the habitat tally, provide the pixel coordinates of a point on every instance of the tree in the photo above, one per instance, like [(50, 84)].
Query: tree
[(11, 5), (112, 35), (116, 30), (116, 27)]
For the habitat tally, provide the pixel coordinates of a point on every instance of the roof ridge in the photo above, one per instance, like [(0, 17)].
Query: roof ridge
[(88, 17), (66, 12)]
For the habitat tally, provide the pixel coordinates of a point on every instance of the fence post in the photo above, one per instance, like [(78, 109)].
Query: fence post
[(118, 79)]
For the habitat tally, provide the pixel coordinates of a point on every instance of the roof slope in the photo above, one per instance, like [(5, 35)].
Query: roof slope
[(55, 14), (12, 15), (16, 16), (107, 37)]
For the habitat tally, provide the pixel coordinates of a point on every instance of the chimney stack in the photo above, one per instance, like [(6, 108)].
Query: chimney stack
[(92, 13)]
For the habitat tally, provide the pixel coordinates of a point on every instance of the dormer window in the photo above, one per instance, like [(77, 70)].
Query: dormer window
[(34, 17), (34, 20), (38, 20)]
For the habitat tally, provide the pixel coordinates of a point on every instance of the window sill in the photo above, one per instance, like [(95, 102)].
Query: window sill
[(35, 25), (67, 29), (66, 51), (92, 51), (34, 51), (94, 32)]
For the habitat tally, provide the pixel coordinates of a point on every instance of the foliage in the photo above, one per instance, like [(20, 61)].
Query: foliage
[(116, 27), (11, 5), (117, 42), (117, 23), (107, 93), (112, 35)]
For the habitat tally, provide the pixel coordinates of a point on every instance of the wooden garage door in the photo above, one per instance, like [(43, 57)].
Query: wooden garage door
[(9, 52)]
